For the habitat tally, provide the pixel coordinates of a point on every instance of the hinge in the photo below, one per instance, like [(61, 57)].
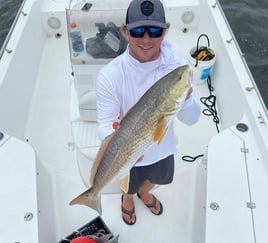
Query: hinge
[(251, 205), (244, 150)]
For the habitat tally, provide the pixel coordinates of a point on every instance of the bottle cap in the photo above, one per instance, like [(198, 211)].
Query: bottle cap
[(73, 25)]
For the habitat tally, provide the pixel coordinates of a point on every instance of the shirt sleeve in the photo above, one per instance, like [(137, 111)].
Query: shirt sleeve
[(108, 107), (190, 112)]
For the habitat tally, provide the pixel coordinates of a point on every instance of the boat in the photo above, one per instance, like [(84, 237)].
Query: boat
[(49, 139)]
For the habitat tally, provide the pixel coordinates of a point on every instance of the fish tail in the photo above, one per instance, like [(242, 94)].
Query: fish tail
[(88, 198)]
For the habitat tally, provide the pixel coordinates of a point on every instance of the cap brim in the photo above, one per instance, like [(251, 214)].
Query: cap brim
[(146, 23)]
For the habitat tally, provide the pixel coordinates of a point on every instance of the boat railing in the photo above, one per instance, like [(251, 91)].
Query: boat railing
[(4, 46)]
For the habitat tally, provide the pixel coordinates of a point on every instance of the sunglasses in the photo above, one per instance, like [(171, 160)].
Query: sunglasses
[(154, 32)]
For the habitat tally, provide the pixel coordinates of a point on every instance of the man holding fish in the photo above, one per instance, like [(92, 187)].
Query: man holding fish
[(138, 94)]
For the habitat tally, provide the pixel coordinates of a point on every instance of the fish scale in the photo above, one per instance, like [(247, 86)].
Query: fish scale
[(144, 124)]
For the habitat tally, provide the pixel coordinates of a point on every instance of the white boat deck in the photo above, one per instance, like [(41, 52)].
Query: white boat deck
[(58, 172), (236, 160)]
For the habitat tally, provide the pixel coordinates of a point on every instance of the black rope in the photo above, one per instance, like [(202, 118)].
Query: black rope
[(188, 158), (210, 110), (210, 103)]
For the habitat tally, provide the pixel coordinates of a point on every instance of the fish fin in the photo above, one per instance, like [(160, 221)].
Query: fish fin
[(161, 129), (99, 156), (124, 183), (88, 199)]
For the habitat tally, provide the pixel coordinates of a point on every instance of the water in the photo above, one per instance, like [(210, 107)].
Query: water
[(248, 19), (8, 11)]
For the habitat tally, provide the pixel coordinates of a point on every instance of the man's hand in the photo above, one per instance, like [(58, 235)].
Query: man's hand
[(189, 93), (140, 159)]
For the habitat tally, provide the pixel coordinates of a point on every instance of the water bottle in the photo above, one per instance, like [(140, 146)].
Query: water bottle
[(77, 43)]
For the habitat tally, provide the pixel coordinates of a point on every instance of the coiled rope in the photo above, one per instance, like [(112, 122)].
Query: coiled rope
[(210, 110)]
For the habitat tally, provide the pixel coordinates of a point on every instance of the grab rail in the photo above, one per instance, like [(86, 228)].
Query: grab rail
[(3, 48)]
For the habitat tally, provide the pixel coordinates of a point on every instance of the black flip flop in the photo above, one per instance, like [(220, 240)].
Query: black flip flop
[(152, 205), (128, 212)]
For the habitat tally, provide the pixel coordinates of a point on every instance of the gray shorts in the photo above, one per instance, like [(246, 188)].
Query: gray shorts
[(160, 173)]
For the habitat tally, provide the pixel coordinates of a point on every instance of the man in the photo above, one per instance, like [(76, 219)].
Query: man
[(123, 82)]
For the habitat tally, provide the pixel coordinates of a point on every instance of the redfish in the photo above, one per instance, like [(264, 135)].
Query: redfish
[(145, 124)]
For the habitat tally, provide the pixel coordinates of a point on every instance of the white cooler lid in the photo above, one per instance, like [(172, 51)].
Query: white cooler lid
[(18, 191)]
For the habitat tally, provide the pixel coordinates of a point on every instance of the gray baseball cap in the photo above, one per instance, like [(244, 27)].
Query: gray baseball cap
[(145, 13)]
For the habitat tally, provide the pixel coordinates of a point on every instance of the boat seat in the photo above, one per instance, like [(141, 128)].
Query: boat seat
[(87, 145), (85, 138), (84, 87), (87, 106), (228, 212), (18, 191), (84, 131)]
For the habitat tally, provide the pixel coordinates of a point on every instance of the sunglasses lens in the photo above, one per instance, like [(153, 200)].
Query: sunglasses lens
[(153, 32), (137, 32)]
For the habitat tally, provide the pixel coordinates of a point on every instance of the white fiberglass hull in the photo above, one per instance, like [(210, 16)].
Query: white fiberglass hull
[(218, 198)]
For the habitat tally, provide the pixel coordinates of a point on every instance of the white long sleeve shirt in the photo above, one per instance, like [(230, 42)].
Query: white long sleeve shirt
[(123, 82)]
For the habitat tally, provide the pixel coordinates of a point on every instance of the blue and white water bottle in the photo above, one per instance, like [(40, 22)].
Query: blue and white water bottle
[(77, 43)]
